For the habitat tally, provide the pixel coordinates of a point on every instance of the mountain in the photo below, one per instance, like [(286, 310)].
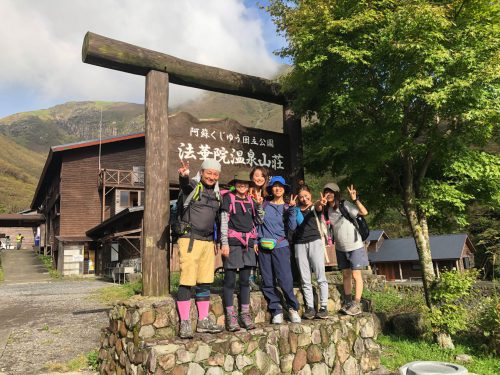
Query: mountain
[(20, 169), (25, 138)]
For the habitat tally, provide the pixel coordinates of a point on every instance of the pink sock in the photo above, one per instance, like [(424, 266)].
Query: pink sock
[(184, 307), (202, 309)]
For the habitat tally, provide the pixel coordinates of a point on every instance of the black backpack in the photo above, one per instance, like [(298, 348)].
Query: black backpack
[(359, 223)]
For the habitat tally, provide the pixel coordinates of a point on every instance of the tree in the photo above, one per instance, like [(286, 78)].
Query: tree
[(403, 96)]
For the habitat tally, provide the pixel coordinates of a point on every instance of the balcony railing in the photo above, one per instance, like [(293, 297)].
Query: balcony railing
[(121, 178)]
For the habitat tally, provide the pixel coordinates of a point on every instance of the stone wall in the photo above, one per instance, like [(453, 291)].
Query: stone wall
[(142, 339)]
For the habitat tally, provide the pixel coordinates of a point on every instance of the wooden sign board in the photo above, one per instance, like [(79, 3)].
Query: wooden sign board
[(235, 146)]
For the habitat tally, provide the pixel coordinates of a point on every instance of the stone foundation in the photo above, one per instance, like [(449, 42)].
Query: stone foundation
[(142, 339)]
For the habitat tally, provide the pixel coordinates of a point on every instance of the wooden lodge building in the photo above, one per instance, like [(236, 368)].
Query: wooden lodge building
[(397, 259), (79, 190)]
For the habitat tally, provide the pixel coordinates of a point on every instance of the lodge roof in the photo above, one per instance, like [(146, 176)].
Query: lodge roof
[(376, 235), (447, 246)]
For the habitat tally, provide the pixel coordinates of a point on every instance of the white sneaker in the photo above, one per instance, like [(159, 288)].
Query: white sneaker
[(277, 319), (294, 316)]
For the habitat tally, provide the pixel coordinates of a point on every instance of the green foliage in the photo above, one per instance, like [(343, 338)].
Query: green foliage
[(397, 351), (484, 319), (391, 301), (402, 96), (92, 359), (449, 314)]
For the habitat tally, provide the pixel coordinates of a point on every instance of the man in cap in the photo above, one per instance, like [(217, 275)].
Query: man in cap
[(349, 247), (196, 244)]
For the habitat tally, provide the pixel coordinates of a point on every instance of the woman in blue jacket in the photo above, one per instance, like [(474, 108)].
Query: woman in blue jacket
[(274, 250)]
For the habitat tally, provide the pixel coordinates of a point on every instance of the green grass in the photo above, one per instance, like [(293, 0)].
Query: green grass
[(112, 294), (397, 351), (83, 361), (47, 262)]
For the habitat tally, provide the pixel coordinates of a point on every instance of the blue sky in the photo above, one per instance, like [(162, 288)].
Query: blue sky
[(41, 46)]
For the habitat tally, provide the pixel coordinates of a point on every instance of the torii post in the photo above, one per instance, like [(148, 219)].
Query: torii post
[(160, 69)]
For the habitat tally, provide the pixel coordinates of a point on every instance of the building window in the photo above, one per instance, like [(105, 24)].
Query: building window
[(416, 267), (124, 197)]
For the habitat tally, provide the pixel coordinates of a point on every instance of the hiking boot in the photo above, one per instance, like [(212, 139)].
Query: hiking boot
[(207, 326), (185, 331), (322, 313), (294, 316), (247, 321), (354, 309), (277, 319), (310, 313), (232, 323)]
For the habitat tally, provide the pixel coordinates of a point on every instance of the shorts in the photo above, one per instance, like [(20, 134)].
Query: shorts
[(197, 266), (355, 259)]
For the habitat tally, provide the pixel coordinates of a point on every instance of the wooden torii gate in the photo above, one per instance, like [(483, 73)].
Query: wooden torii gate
[(160, 69)]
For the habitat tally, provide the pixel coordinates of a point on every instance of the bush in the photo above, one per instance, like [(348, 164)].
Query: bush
[(448, 293), (391, 301), (485, 323)]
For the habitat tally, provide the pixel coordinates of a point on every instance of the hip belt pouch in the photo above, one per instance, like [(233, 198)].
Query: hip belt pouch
[(268, 243)]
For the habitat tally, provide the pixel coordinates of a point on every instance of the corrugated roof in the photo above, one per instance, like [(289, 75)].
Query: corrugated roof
[(448, 246)]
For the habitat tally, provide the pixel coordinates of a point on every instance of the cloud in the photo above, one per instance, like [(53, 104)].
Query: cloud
[(41, 44)]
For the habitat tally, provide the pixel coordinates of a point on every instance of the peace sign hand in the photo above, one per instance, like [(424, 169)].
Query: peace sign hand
[(184, 169), (258, 197), (293, 200), (322, 200), (352, 192)]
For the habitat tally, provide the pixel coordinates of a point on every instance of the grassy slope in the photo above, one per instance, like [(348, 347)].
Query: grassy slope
[(19, 172)]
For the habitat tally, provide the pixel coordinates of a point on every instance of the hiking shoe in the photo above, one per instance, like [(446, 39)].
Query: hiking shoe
[(294, 316), (207, 326), (345, 306), (185, 331), (277, 319), (247, 321), (322, 313), (253, 285), (310, 313), (232, 323), (354, 309)]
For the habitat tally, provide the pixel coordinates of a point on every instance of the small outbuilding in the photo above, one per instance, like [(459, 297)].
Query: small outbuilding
[(397, 258)]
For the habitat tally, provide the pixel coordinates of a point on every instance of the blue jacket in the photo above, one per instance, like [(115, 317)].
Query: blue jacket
[(273, 225)]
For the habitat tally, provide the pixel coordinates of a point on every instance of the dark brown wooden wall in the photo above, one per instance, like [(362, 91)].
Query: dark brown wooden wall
[(80, 196), (80, 200)]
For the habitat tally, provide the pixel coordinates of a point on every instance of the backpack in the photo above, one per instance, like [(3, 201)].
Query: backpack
[(359, 223), (242, 237), (177, 211)]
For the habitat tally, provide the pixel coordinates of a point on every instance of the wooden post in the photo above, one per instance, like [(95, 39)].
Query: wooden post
[(155, 275), (293, 127)]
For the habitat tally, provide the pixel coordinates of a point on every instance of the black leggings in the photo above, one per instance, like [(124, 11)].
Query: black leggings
[(230, 282)]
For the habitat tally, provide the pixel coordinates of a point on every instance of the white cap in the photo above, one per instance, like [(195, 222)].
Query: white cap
[(211, 164)]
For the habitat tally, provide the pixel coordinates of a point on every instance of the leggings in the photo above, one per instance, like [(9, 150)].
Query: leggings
[(229, 284)]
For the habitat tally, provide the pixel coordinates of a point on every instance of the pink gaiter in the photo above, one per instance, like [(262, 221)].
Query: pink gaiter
[(202, 309), (184, 307)]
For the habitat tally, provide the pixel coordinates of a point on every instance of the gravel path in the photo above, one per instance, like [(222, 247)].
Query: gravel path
[(47, 322)]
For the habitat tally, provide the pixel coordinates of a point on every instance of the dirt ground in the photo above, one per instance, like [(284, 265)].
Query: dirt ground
[(48, 322)]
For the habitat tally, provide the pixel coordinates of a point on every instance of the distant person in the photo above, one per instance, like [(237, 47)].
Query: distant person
[(349, 246), (197, 247), (19, 241)]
